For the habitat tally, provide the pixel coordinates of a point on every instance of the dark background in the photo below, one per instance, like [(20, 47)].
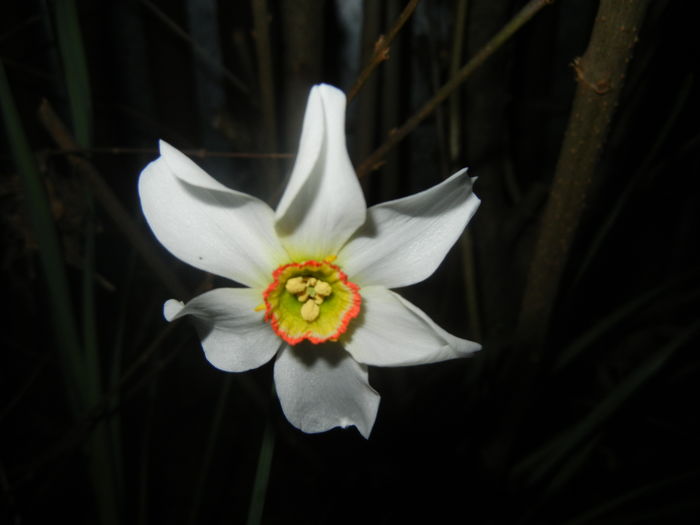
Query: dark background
[(597, 425)]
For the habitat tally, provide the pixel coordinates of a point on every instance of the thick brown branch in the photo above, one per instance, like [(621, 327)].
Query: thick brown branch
[(600, 75)]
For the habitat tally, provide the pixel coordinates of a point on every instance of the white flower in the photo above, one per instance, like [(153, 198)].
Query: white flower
[(317, 271)]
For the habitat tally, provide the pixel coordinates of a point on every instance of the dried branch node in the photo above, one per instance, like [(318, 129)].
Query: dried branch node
[(600, 87), (381, 49)]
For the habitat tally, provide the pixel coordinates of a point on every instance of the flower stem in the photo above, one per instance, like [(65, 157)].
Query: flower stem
[(212, 438), (262, 475)]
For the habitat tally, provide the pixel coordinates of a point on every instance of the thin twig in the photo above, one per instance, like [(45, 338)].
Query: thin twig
[(381, 48), (519, 20), (198, 153), (110, 202)]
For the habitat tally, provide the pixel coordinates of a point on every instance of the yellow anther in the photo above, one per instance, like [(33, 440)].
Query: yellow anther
[(311, 291), (310, 311), (296, 285), (260, 307), (323, 289), (330, 258)]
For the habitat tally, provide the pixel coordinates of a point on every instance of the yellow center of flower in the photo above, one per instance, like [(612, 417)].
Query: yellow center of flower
[(311, 300), (311, 292)]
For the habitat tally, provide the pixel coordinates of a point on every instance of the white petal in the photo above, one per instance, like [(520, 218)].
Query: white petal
[(321, 387), (405, 240), (234, 336), (393, 332), (323, 204), (207, 225), (186, 170)]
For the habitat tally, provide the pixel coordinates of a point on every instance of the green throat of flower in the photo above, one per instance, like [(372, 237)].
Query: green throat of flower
[(311, 300)]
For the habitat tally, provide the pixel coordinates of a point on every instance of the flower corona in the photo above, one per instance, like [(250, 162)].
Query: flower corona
[(311, 300)]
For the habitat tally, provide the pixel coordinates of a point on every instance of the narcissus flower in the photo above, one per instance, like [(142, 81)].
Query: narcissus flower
[(317, 271)]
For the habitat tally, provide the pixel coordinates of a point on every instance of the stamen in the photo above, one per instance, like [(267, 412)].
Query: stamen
[(323, 289), (310, 311), (296, 285), (310, 291)]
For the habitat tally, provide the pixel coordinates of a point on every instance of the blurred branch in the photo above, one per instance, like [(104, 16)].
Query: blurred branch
[(644, 174), (569, 353), (265, 75), (104, 407), (18, 29), (373, 162), (368, 105), (109, 201), (212, 439), (381, 48), (454, 115), (199, 51), (386, 105), (600, 75), (265, 82), (303, 41), (38, 211), (454, 146), (76, 75), (541, 464)]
